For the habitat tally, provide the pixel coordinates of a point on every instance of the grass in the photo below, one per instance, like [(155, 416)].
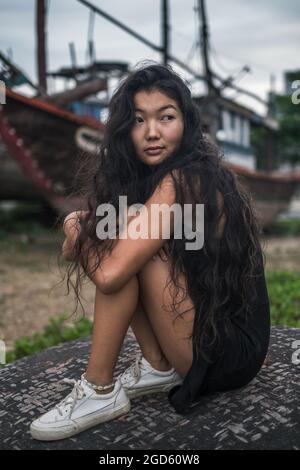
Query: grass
[(56, 332), (28, 236), (283, 287), (284, 227), (284, 293), (25, 218)]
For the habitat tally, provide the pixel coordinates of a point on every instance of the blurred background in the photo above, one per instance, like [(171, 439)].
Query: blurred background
[(59, 65)]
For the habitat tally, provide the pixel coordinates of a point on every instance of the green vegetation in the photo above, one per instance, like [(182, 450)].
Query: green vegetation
[(42, 240), (55, 333), (286, 140), (288, 115), (285, 227), (29, 235), (26, 218), (284, 294)]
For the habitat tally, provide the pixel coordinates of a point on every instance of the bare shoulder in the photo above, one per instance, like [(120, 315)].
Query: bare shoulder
[(165, 190)]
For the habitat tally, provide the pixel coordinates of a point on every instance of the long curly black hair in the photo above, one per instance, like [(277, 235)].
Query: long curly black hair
[(222, 273)]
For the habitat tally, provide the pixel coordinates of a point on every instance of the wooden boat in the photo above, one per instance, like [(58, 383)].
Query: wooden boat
[(271, 191), (44, 146)]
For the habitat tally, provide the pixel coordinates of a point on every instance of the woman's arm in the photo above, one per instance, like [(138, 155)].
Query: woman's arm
[(129, 255), (71, 227)]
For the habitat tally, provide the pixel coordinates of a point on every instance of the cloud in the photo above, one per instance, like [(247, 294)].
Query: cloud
[(262, 33)]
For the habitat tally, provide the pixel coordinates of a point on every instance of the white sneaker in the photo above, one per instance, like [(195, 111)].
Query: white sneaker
[(83, 408), (142, 379)]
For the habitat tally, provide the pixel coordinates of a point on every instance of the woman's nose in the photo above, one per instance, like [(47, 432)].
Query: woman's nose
[(152, 130)]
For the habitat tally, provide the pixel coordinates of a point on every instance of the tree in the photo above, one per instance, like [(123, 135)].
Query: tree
[(288, 115)]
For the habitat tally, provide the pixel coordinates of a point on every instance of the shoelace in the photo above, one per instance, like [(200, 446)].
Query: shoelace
[(134, 370), (71, 399)]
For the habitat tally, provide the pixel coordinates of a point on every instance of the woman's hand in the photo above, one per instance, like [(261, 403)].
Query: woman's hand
[(71, 227), (72, 221)]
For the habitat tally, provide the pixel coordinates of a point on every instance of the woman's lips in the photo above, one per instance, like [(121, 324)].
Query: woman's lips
[(156, 151)]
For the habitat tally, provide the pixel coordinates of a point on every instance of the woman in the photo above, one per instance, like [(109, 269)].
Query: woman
[(200, 316)]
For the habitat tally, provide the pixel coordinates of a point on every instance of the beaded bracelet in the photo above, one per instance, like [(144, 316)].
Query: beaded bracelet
[(96, 387)]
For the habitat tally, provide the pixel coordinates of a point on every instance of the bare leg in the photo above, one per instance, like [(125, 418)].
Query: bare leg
[(162, 343), (147, 340), (174, 337), (112, 316)]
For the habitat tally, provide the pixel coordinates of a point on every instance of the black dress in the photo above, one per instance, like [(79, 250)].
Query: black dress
[(244, 351)]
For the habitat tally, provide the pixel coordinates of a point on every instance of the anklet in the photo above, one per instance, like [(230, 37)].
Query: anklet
[(96, 387)]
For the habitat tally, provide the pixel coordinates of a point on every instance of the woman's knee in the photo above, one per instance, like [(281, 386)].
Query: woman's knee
[(155, 279), (161, 255)]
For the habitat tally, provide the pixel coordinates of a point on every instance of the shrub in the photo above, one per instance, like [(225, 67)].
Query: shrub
[(55, 333), (284, 293)]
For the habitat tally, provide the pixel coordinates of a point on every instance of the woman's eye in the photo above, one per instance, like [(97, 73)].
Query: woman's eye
[(169, 116), (166, 117), (138, 119)]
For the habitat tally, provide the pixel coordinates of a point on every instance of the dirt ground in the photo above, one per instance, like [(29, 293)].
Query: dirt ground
[(30, 295)]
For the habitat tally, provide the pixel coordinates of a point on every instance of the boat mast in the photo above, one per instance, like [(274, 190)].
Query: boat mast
[(225, 83), (140, 38), (211, 108), (165, 30), (203, 35), (41, 46)]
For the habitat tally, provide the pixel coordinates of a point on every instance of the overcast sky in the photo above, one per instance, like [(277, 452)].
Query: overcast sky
[(263, 34)]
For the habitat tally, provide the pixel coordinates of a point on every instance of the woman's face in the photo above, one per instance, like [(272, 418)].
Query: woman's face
[(158, 128)]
